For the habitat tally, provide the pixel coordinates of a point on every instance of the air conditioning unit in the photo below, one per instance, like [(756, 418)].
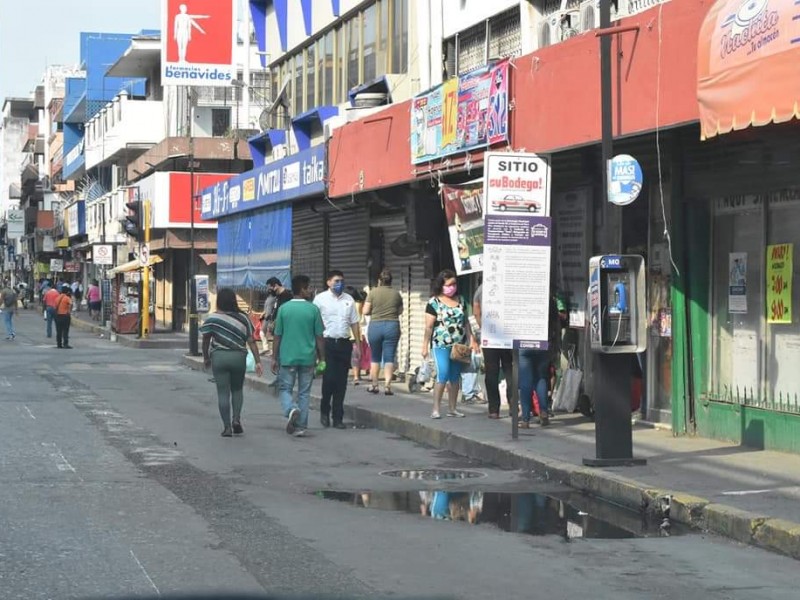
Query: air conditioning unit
[(563, 25)]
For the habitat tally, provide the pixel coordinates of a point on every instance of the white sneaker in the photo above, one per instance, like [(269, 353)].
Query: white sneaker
[(435, 415), (299, 433), (291, 422)]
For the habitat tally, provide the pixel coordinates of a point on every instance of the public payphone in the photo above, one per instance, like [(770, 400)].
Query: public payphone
[(617, 304)]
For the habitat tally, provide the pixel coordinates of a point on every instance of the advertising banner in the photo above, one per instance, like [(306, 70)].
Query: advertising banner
[(201, 293), (461, 114), (463, 207), (198, 38), (298, 175), (779, 283)]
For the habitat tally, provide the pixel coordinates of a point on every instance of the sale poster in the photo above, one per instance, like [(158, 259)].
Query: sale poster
[(779, 283)]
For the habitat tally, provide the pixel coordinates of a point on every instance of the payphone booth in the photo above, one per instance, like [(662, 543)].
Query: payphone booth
[(617, 330)]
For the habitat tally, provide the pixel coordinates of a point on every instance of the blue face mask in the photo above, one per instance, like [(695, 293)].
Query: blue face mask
[(338, 288)]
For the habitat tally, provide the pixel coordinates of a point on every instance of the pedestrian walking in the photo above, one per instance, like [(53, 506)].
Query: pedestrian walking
[(494, 360), (384, 305), (50, 298), (340, 319), (77, 294), (277, 296), (359, 360), (94, 298), (534, 369), (298, 347), (8, 300), (63, 318), (227, 335), (447, 329)]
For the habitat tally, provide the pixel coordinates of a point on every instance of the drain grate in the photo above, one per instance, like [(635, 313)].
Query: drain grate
[(434, 474)]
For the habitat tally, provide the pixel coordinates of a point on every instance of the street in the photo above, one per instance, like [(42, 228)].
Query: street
[(114, 482)]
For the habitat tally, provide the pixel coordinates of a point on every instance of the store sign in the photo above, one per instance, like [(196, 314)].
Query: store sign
[(779, 283), (15, 220), (517, 250), (75, 153), (197, 42), (72, 266), (516, 182), (296, 176), (624, 179), (75, 219), (461, 114), (463, 207), (103, 254)]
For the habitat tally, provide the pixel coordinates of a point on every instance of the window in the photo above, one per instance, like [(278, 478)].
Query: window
[(370, 25), (220, 121), (328, 84), (311, 77), (399, 50), (382, 55), (341, 65), (299, 96), (353, 54)]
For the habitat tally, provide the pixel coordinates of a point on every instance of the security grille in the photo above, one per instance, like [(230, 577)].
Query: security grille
[(499, 37)]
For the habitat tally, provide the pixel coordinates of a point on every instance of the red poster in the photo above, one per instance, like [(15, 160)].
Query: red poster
[(180, 191)]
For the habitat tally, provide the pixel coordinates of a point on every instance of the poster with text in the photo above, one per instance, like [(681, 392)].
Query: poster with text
[(516, 282), (198, 38), (779, 283), (463, 207), (571, 222), (516, 182), (461, 114), (737, 283)]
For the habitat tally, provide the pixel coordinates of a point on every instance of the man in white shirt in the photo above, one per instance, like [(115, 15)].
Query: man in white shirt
[(339, 318)]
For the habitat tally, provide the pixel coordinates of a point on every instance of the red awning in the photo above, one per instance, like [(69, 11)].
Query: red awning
[(748, 65)]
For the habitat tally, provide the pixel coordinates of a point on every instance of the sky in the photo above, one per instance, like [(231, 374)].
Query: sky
[(37, 33)]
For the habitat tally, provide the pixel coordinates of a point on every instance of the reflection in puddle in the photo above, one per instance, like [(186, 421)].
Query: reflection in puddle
[(531, 514)]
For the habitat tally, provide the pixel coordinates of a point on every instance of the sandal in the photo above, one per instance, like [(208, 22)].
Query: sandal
[(373, 389), (388, 392), (455, 413), (435, 415)]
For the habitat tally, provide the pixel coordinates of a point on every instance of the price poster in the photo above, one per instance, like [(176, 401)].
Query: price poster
[(779, 283), (737, 283)]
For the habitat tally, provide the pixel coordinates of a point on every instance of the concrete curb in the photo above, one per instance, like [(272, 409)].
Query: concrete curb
[(777, 535), (128, 341)]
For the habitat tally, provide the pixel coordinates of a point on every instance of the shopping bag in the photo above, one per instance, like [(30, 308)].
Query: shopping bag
[(566, 394), (251, 362)]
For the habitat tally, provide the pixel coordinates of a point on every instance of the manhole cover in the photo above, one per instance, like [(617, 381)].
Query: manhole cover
[(434, 474)]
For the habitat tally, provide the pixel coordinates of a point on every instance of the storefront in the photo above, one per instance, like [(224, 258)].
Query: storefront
[(742, 210), (255, 222)]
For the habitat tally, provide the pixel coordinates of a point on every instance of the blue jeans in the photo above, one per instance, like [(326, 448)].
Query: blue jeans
[(383, 337), (50, 313), (8, 319), (286, 378), (534, 366)]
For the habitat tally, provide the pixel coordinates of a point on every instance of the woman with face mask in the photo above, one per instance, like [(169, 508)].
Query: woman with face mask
[(446, 325)]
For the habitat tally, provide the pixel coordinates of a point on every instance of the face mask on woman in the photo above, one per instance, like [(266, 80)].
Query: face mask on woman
[(450, 290)]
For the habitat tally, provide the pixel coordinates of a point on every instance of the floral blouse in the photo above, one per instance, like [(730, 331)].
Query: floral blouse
[(451, 323)]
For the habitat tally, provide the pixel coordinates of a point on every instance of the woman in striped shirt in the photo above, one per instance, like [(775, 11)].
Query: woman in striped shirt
[(227, 334)]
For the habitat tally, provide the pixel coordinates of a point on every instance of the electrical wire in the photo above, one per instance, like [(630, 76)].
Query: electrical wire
[(667, 235)]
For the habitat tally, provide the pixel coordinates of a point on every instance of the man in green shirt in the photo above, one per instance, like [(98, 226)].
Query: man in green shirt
[(298, 346)]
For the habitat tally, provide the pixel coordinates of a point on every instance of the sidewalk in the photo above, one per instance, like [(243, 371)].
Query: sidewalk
[(751, 496), (159, 340)]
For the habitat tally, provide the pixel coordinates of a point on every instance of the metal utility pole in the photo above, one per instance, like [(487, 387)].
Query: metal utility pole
[(145, 261), (194, 343)]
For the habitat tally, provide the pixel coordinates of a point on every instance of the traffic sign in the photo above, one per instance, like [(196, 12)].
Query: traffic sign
[(103, 254), (144, 254)]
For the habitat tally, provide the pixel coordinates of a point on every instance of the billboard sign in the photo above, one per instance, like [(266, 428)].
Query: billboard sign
[(198, 38), (461, 114)]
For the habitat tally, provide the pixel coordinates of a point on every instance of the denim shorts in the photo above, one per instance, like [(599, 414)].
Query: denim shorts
[(383, 338)]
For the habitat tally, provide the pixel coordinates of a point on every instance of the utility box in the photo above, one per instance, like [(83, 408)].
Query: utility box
[(617, 304)]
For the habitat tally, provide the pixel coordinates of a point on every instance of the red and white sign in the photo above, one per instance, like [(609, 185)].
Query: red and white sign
[(198, 38), (515, 183), (170, 197)]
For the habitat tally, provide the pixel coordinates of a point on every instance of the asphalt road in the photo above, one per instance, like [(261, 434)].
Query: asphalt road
[(114, 482)]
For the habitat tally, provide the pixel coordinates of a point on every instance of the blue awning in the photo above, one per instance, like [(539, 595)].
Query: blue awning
[(254, 246)]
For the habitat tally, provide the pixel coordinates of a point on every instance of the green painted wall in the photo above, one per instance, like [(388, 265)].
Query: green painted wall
[(749, 426)]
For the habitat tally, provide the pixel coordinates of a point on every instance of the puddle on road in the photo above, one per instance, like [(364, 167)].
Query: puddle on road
[(570, 517)]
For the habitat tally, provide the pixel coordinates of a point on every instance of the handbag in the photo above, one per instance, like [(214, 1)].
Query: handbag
[(565, 396), (461, 353)]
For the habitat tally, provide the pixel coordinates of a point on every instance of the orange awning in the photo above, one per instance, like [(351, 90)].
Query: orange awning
[(748, 65)]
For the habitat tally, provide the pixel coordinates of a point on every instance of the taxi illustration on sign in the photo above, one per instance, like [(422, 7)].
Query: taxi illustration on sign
[(515, 202)]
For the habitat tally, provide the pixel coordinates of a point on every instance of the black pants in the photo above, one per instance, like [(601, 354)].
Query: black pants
[(493, 360), (334, 379), (62, 330)]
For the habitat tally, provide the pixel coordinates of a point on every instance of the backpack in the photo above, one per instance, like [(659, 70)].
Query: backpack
[(9, 298)]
